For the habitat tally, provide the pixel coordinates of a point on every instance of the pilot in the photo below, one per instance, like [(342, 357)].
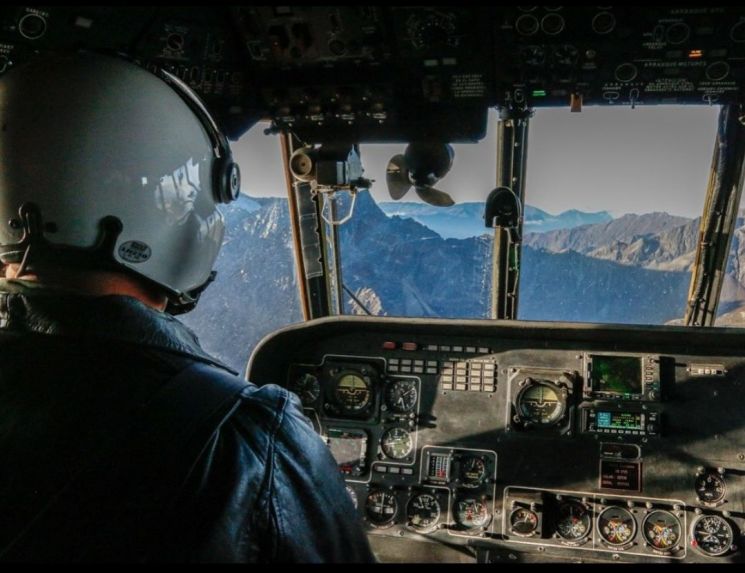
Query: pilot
[(121, 439)]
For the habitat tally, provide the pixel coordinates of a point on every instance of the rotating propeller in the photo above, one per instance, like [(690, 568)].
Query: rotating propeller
[(421, 166)]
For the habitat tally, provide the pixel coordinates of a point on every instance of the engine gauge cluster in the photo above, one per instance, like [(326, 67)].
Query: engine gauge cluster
[(622, 526)]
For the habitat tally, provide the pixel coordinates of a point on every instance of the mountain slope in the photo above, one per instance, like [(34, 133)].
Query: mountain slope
[(587, 238), (255, 291)]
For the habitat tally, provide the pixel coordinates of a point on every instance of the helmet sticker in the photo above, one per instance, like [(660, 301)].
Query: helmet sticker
[(134, 251)]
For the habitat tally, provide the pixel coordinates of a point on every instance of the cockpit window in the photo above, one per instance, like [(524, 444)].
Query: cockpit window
[(256, 289), (407, 257), (614, 201), (731, 309)]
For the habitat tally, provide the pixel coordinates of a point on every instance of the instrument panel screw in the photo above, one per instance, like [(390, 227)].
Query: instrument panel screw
[(741, 457)]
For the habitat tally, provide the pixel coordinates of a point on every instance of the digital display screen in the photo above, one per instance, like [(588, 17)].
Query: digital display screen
[(620, 375), (619, 420), (349, 449)]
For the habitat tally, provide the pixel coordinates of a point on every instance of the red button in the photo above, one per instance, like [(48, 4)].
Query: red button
[(389, 345), (408, 346)]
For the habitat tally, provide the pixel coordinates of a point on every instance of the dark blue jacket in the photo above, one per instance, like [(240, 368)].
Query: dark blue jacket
[(76, 370)]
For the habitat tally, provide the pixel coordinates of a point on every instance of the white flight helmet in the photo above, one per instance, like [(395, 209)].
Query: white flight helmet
[(106, 165)]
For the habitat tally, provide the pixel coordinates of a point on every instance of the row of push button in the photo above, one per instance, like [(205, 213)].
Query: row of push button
[(450, 348), (394, 470), (409, 366), (624, 432)]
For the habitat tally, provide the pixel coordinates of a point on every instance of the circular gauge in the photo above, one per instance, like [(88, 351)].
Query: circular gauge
[(661, 530), (712, 535), (352, 392), (616, 526), (353, 496), (397, 443), (471, 513), (381, 507), (308, 388), (401, 396), (423, 511), (710, 487), (541, 403), (574, 522), (432, 30), (533, 55), (566, 55), (472, 471), (523, 522)]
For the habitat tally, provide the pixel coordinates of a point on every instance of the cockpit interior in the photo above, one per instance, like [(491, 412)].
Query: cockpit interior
[(463, 440)]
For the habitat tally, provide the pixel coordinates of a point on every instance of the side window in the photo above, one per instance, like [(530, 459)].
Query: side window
[(731, 310), (634, 182), (255, 291)]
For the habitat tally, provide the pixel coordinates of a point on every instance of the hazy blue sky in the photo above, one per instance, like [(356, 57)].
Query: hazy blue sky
[(620, 160)]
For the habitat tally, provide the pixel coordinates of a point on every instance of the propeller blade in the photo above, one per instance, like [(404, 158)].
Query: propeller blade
[(397, 177), (434, 196)]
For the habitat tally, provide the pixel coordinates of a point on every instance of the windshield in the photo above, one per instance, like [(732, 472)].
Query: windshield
[(613, 198)]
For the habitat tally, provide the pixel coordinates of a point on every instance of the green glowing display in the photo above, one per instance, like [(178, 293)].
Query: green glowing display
[(616, 375)]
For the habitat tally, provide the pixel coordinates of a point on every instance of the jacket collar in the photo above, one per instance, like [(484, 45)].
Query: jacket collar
[(26, 307)]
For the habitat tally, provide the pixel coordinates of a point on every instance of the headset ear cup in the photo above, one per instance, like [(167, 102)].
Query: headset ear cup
[(234, 180), (227, 180)]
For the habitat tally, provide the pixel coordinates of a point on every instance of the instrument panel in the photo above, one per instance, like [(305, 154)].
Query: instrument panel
[(403, 73), (527, 441)]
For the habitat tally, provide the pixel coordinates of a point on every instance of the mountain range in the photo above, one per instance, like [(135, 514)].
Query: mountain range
[(465, 220), (633, 269)]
